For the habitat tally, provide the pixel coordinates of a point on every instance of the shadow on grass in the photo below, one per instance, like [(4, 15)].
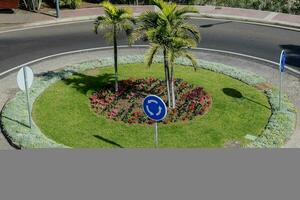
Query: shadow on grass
[(237, 94), (108, 141), (85, 83)]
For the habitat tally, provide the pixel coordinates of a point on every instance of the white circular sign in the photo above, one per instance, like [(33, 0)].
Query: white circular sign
[(21, 78)]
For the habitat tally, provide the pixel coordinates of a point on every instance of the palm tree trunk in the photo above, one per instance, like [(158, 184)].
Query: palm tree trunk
[(172, 86), (116, 58), (167, 76)]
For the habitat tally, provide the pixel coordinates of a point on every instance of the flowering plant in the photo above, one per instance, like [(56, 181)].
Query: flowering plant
[(126, 104)]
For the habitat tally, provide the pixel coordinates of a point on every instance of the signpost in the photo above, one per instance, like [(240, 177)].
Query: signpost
[(25, 80), (281, 71), (156, 109), (57, 9)]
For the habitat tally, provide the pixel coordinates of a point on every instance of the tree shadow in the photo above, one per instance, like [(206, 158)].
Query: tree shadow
[(85, 83), (293, 54), (214, 24), (237, 94), (108, 141), (7, 11)]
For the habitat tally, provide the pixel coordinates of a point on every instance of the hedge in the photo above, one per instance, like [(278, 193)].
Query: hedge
[(65, 3)]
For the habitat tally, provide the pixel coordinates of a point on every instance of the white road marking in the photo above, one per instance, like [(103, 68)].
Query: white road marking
[(270, 16), (126, 46)]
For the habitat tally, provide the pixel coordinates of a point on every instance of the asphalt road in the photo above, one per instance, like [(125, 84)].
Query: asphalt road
[(261, 41)]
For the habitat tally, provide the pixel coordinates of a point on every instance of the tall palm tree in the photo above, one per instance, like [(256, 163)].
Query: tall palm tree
[(168, 31), (114, 21)]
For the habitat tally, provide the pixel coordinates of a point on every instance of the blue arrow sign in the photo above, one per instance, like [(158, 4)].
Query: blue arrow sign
[(155, 108), (282, 61)]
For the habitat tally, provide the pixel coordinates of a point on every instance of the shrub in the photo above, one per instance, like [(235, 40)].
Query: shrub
[(65, 3), (286, 6), (126, 104), (70, 3)]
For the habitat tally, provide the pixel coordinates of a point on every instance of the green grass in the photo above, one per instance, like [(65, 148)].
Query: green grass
[(63, 112)]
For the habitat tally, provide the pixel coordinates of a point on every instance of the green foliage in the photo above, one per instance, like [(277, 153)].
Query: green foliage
[(168, 31), (73, 4), (114, 21), (281, 124), (70, 3), (286, 6), (120, 19)]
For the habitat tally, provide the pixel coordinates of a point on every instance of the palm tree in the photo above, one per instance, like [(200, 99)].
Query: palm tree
[(179, 50), (168, 31), (114, 21)]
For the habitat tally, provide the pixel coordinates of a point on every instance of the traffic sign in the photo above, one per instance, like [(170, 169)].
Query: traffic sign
[(282, 61), (281, 70), (24, 78), (155, 108)]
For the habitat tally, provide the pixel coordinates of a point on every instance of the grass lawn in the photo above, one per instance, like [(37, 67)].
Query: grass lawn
[(63, 112)]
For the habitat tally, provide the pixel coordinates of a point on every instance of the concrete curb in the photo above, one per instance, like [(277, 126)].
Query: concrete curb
[(273, 23)]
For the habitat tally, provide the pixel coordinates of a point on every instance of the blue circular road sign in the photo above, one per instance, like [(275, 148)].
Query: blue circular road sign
[(155, 108), (282, 61)]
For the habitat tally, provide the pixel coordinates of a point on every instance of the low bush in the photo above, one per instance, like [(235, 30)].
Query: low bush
[(281, 124), (285, 6), (73, 4)]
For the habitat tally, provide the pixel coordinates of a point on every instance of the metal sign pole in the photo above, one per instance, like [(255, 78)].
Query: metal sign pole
[(281, 72), (57, 9), (155, 108), (280, 89), (155, 135), (27, 95)]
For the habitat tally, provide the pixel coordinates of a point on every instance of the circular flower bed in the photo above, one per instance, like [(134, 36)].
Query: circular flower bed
[(126, 104)]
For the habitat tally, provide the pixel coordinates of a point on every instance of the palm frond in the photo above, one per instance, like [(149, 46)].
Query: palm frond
[(192, 29), (151, 53), (101, 23), (186, 10), (192, 58)]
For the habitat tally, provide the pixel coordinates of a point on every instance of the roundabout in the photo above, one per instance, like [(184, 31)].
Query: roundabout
[(244, 126), (231, 111)]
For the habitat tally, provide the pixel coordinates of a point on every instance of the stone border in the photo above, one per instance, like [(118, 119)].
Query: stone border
[(280, 127)]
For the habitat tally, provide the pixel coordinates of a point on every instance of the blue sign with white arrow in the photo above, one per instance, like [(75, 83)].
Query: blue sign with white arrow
[(282, 61), (155, 108)]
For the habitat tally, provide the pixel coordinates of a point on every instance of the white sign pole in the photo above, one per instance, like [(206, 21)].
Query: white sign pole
[(156, 109), (155, 135), (280, 89), (57, 9), (27, 95), (281, 71)]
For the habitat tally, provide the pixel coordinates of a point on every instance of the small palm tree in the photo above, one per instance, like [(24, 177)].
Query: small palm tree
[(114, 21), (168, 31)]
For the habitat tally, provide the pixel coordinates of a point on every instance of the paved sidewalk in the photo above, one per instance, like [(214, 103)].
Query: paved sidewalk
[(251, 15), (291, 83), (23, 18)]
